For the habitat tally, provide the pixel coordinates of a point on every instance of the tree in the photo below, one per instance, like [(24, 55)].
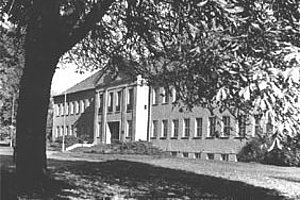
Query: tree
[(233, 54), (11, 61)]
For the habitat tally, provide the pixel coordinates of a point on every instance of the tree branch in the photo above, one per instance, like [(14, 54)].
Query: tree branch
[(80, 32)]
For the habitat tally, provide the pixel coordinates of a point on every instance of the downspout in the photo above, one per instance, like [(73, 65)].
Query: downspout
[(149, 114)]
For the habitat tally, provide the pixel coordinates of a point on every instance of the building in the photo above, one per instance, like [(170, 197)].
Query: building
[(105, 108)]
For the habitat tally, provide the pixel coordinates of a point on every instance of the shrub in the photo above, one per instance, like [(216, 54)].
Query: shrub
[(117, 147), (69, 140), (289, 155), (252, 151)]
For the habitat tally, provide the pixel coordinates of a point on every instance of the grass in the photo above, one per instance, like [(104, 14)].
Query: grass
[(144, 177)]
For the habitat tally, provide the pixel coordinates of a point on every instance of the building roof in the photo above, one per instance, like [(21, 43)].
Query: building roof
[(100, 79), (87, 84)]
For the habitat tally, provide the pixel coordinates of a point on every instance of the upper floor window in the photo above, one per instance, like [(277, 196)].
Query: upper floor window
[(165, 96), (100, 103), (155, 95), (186, 127), (226, 126), (174, 98), (57, 110), (212, 126), (71, 108), (118, 101), (81, 106), (269, 127), (258, 130), (67, 108), (175, 128), (76, 107), (130, 99), (62, 109), (110, 102), (242, 125), (198, 127), (164, 128), (87, 103)]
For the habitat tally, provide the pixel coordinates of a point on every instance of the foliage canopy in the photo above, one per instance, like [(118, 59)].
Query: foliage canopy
[(226, 54)]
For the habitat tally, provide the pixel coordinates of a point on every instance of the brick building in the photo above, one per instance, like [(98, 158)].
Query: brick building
[(105, 108)]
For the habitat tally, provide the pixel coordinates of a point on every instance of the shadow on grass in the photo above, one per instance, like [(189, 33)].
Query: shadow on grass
[(124, 179)]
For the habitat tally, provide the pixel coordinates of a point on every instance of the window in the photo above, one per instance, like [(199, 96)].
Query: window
[(118, 101), (212, 126), (71, 129), (174, 153), (57, 131), (57, 110), (76, 107), (67, 108), (129, 128), (210, 156), (165, 95), (198, 127), (164, 128), (71, 108), (257, 126), (67, 130), (185, 154), (81, 106), (61, 109), (175, 128), (61, 130), (224, 157), (174, 95), (269, 127), (226, 126), (130, 100), (242, 125), (110, 102), (198, 155), (87, 103), (155, 96), (186, 126), (100, 103), (154, 128)]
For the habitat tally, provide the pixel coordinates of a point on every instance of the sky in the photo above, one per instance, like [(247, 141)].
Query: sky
[(66, 77)]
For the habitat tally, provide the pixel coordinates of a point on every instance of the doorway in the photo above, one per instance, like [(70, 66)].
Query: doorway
[(114, 128)]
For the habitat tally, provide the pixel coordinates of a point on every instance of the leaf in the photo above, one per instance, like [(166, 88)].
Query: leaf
[(235, 10), (255, 25), (200, 4), (262, 85)]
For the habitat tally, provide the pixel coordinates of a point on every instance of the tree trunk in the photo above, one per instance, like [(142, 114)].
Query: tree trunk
[(32, 112)]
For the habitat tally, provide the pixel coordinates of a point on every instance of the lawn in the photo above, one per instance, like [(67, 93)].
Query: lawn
[(100, 176)]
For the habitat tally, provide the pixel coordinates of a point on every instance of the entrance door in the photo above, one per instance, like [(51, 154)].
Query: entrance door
[(114, 128)]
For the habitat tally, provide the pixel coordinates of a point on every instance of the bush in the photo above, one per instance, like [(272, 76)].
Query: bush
[(69, 140), (254, 151), (117, 147)]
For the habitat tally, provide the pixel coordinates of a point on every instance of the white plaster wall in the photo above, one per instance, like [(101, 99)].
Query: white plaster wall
[(142, 106)]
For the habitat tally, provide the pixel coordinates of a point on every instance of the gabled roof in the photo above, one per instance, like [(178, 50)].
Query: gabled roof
[(87, 84), (101, 78)]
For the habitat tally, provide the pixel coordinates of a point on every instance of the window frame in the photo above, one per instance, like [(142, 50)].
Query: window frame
[(226, 126), (186, 127), (212, 126), (154, 131), (164, 128), (175, 128), (198, 129)]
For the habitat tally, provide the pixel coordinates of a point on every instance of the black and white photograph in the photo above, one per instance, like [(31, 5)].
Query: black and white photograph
[(149, 99)]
